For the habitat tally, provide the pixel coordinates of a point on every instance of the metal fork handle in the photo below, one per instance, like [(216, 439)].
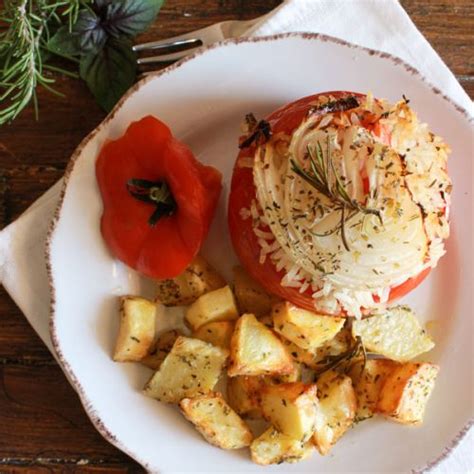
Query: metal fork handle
[(166, 58), (229, 29), (152, 45)]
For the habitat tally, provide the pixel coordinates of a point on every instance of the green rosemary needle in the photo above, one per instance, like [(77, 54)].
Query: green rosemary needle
[(323, 176), (24, 33), (333, 362)]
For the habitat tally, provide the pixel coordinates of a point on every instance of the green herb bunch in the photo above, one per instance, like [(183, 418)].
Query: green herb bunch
[(89, 39)]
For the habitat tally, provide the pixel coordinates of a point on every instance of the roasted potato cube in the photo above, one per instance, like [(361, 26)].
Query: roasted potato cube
[(192, 368), (217, 305), (406, 391), (160, 348), (217, 333), (256, 350), (251, 296), (301, 356), (273, 447), (337, 345), (367, 381), (295, 376), (243, 394), (137, 328), (315, 358), (197, 279), (216, 421), (337, 407), (267, 320), (291, 408), (304, 328), (395, 334)]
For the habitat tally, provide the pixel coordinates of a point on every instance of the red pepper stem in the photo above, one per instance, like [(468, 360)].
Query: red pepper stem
[(156, 193)]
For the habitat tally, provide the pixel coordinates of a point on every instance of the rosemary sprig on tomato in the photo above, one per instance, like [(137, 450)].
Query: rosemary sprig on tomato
[(319, 177)]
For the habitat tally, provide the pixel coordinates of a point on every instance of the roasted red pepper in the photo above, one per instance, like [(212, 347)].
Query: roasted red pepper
[(158, 199)]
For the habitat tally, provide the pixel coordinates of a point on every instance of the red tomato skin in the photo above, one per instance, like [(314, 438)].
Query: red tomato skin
[(148, 150), (244, 240), (409, 285)]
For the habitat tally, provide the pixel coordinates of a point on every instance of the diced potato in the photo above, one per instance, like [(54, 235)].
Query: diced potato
[(267, 320), (301, 356), (295, 376), (304, 328), (137, 328), (243, 394), (217, 333), (197, 279), (368, 383), (395, 334), (192, 368), (337, 408), (251, 296), (336, 346), (291, 408), (217, 305), (314, 358), (160, 348), (216, 421), (406, 391), (273, 447), (256, 350)]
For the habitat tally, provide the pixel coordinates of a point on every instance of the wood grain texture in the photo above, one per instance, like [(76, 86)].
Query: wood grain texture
[(82, 466), (42, 424), (448, 26), (18, 342)]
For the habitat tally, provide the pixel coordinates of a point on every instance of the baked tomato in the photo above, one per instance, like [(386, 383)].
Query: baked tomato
[(158, 199), (284, 121)]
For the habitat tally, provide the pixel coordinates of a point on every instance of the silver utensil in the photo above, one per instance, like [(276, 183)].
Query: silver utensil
[(190, 42)]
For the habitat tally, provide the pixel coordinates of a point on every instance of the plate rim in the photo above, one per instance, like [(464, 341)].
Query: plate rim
[(89, 408)]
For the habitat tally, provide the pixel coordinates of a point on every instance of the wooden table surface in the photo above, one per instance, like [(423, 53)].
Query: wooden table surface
[(43, 427)]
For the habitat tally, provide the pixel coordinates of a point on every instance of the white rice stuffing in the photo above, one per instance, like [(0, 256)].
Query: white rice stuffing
[(263, 234)]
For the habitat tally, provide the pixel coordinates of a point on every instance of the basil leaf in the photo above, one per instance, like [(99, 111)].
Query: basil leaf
[(110, 71), (131, 17), (64, 43), (89, 31)]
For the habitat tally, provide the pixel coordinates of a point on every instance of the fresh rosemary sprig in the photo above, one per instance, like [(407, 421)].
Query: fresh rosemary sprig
[(333, 362), (95, 36), (72, 9), (23, 51), (323, 176), (260, 132)]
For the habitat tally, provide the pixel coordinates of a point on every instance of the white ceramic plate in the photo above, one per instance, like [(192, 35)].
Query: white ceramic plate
[(204, 99)]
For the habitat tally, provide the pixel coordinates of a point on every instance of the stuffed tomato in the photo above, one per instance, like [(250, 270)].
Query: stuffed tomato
[(339, 202)]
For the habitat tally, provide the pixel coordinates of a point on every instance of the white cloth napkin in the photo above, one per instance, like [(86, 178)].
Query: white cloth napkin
[(376, 24)]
